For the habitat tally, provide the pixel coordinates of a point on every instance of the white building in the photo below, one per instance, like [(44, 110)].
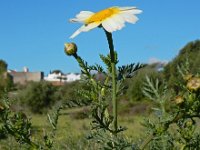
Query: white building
[(70, 77), (73, 77)]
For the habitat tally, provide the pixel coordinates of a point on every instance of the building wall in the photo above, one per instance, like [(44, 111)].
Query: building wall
[(23, 77)]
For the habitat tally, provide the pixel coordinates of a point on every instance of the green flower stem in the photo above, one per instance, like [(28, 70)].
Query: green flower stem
[(113, 63), (82, 64)]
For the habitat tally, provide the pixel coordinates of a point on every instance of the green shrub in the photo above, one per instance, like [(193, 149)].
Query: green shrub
[(38, 96), (135, 84), (70, 91), (5, 79)]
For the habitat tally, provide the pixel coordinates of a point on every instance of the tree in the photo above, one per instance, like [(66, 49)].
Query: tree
[(57, 71), (5, 79), (3, 66)]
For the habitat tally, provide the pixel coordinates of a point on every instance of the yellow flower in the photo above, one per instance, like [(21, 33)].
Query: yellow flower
[(179, 100), (193, 84), (111, 19)]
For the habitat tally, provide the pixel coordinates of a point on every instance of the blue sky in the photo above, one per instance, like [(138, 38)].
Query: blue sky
[(33, 32)]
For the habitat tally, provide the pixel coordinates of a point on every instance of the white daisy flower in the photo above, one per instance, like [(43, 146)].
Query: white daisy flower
[(111, 19)]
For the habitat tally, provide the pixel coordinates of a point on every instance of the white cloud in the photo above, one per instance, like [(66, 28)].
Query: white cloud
[(153, 60)]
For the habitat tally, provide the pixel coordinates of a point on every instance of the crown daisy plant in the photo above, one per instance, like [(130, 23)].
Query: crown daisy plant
[(110, 20)]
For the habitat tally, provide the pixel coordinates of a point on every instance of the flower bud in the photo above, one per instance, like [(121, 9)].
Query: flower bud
[(191, 98), (179, 100), (70, 48), (193, 84)]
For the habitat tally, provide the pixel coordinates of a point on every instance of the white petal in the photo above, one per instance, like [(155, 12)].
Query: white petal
[(119, 19), (129, 17), (84, 28), (127, 8), (76, 20), (109, 25), (132, 10), (113, 23), (82, 16)]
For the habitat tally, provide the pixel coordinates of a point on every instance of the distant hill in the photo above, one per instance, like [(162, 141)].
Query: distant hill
[(189, 53)]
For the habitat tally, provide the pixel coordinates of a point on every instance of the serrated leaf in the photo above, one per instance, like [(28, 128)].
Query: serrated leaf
[(127, 71)]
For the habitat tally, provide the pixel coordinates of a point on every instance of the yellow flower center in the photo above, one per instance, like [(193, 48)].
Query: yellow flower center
[(102, 15)]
